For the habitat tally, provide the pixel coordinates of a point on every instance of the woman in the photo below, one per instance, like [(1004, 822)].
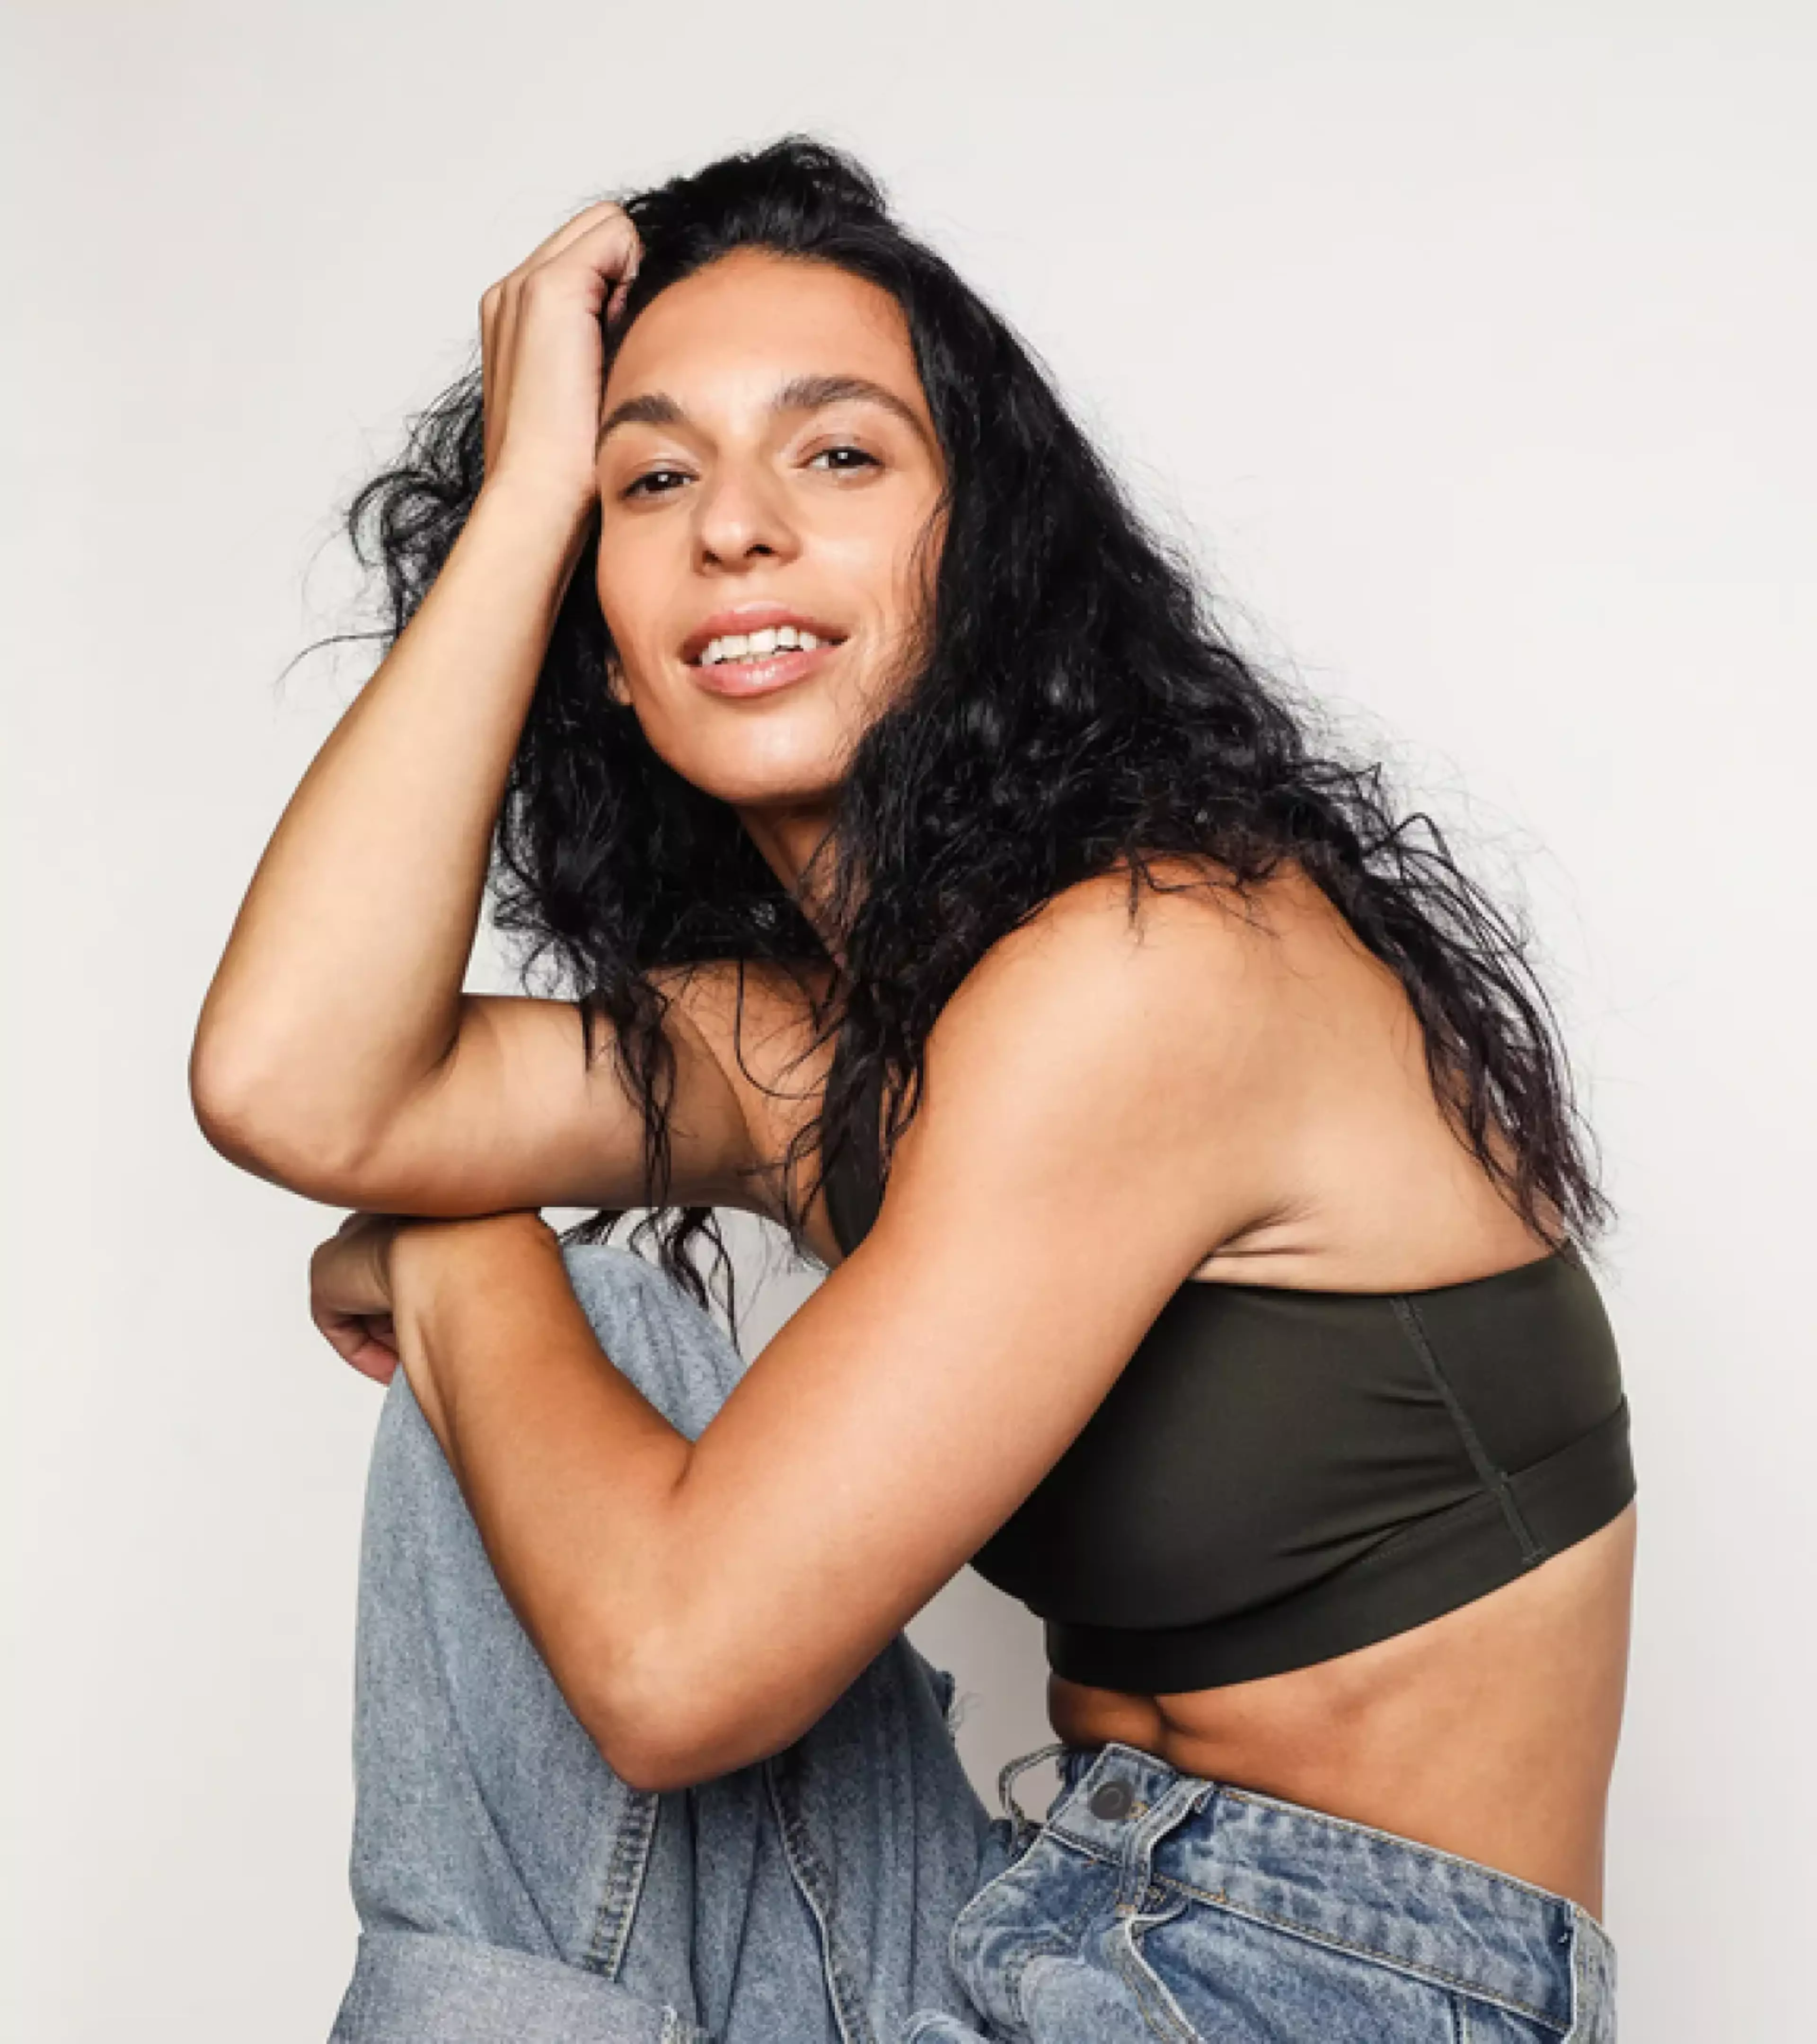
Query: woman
[(902, 820)]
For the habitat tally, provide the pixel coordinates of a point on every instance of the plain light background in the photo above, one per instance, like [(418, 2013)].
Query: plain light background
[(1474, 348)]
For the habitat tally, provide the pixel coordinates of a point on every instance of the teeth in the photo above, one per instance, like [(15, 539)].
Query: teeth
[(758, 645)]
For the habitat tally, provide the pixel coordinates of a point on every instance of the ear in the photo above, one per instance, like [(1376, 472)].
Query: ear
[(618, 688)]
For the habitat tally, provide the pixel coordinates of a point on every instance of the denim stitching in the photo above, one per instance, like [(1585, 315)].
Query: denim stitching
[(1006, 1775), (624, 1884), (1394, 1838), (1051, 1944), (1508, 1881), (1146, 1986), (1577, 2014), (1055, 1830), (798, 1850), (1414, 1967), (1578, 1961)]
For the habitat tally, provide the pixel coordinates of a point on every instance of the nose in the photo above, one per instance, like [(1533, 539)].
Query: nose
[(741, 519)]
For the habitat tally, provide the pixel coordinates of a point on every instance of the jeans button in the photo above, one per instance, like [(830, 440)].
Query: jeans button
[(1111, 1799)]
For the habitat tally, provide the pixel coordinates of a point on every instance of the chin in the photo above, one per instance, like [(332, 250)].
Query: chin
[(776, 764), (762, 781), (784, 796)]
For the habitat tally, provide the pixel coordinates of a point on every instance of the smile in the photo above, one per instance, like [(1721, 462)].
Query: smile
[(761, 674), (758, 647)]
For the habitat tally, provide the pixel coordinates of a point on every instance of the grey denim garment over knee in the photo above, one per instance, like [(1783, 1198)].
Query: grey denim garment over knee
[(512, 1890)]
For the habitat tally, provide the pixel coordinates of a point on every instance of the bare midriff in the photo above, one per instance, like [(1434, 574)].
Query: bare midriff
[(1489, 1732)]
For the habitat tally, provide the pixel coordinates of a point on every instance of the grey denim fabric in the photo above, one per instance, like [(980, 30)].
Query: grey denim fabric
[(852, 1888), (511, 1889)]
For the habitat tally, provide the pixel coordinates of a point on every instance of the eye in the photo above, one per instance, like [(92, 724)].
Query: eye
[(844, 459), (645, 486)]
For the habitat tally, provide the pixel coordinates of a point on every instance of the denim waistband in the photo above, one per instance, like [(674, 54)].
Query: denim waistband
[(1339, 1882)]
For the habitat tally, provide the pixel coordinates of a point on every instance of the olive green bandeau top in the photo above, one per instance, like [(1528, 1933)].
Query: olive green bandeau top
[(1278, 1476)]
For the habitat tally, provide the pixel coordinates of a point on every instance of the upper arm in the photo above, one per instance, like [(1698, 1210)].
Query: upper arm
[(1083, 1142), (515, 1116)]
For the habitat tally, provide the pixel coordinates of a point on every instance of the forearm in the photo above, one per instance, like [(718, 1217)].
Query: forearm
[(341, 983), (569, 1472)]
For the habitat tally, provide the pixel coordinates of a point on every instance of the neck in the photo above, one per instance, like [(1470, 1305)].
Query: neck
[(798, 847)]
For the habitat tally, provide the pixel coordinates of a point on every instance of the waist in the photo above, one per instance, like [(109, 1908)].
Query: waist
[(1215, 1853), (1490, 1732)]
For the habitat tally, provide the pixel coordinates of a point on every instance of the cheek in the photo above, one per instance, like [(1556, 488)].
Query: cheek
[(625, 601), (914, 564), (875, 558)]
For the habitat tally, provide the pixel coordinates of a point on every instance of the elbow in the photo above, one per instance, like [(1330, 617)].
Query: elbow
[(227, 1112), (654, 1766), (665, 1728), (249, 1125), (648, 1733)]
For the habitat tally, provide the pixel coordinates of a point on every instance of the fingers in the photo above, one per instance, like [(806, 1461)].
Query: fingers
[(601, 235), (598, 251), (378, 1363), (570, 230), (353, 1339)]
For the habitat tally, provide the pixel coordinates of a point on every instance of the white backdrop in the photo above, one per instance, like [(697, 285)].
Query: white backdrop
[(1474, 345)]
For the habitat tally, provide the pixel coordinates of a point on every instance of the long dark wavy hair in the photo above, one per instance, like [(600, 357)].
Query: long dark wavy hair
[(1073, 706)]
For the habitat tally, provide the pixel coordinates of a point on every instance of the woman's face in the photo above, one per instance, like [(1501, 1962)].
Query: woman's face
[(766, 465)]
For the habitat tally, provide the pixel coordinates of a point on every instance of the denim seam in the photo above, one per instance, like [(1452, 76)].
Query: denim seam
[(1474, 1866), (797, 1848), (677, 2029), (1146, 1986), (1084, 1846), (1493, 1476), (1578, 1960), (1414, 1968), (1051, 1944), (1161, 2016), (624, 1876)]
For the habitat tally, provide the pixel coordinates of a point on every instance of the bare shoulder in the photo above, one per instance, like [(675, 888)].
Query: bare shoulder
[(1204, 955), (1101, 1046), (1238, 1033)]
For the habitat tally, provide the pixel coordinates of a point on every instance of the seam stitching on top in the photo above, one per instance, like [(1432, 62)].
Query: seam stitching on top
[(1493, 1477)]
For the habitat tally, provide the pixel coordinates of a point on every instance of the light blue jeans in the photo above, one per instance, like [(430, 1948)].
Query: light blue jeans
[(853, 1888)]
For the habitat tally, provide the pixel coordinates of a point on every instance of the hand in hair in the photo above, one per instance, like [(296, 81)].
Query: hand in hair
[(542, 342)]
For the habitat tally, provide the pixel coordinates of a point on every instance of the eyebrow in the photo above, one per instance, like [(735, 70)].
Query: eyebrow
[(800, 393)]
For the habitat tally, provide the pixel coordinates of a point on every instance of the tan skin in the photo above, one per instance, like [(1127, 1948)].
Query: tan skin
[(1213, 1103)]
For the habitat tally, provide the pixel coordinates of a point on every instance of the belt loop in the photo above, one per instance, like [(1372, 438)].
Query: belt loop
[(1179, 1801), (1021, 1822)]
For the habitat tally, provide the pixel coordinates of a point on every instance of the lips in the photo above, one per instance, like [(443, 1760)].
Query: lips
[(764, 675), (744, 619)]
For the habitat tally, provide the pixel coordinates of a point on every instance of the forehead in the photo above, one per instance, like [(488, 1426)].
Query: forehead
[(730, 333)]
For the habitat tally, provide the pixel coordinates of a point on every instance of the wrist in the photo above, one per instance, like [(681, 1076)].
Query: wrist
[(559, 515), (431, 1262)]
